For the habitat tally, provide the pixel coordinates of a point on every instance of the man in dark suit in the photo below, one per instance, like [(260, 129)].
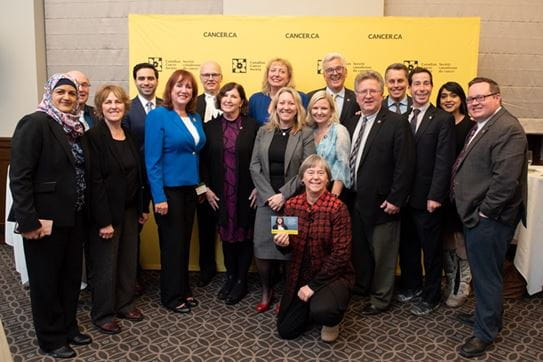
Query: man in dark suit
[(382, 164), (88, 114), (146, 78), (334, 69), (422, 223), (211, 78), (397, 100), (489, 187)]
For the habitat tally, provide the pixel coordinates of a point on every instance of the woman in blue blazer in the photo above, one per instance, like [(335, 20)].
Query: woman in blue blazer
[(174, 136)]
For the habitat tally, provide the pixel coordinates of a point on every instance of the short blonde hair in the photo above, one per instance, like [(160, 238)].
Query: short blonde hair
[(311, 161), (266, 86), (299, 120), (314, 99), (103, 92)]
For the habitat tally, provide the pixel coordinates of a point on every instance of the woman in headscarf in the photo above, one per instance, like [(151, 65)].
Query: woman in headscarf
[(48, 183)]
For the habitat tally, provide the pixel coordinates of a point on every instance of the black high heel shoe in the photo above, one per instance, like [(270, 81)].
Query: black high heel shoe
[(238, 292), (226, 287)]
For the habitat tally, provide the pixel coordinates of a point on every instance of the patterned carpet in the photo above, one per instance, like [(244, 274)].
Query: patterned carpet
[(216, 332)]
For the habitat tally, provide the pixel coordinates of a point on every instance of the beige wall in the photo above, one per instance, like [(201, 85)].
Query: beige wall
[(22, 60), (304, 7)]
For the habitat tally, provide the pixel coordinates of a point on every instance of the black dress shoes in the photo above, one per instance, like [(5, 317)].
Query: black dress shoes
[(61, 352), (473, 347), (370, 309), (80, 340), (237, 293), (466, 318)]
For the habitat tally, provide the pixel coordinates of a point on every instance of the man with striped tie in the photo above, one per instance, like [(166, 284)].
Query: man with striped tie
[(382, 163)]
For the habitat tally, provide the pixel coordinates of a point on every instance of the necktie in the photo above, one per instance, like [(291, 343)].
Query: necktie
[(210, 108), (148, 107), (414, 120), (398, 110), (459, 160), (334, 98), (356, 147)]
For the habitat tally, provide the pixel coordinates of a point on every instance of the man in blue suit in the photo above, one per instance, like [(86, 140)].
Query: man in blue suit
[(146, 79)]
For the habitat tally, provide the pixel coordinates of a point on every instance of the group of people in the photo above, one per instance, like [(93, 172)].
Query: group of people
[(370, 179)]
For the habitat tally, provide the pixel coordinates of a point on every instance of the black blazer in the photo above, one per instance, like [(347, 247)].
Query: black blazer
[(435, 142), (42, 173), (409, 104), (201, 105), (350, 106), (108, 183), (386, 168), (212, 166), (135, 122)]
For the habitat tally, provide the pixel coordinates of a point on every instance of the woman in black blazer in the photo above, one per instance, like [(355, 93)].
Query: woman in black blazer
[(230, 191), (118, 203), (48, 181), (451, 98)]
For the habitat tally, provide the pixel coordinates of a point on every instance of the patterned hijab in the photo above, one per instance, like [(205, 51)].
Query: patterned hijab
[(69, 121)]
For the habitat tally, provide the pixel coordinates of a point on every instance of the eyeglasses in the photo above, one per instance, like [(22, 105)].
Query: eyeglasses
[(480, 99), (210, 75), (85, 85), (339, 69), (365, 92)]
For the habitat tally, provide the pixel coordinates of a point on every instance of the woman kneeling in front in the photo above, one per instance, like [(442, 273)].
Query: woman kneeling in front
[(321, 275)]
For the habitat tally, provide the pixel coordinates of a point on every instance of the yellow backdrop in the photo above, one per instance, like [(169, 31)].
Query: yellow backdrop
[(242, 45)]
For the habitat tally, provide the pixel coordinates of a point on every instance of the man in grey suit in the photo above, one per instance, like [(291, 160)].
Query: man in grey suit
[(489, 186), (396, 81), (334, 70)]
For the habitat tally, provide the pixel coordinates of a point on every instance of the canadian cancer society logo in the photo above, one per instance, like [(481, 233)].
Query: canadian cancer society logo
[(411, 64), (156, 62), (239, 65), (319, 66)]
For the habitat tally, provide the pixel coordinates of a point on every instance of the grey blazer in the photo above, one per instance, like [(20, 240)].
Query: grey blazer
[(492, 178), (299, 146)]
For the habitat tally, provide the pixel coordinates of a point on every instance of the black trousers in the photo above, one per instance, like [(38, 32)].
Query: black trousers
[(326, 307), (207, 233), (422, 230), (237, 258), (113, 269), (174, 233), (54, 266)]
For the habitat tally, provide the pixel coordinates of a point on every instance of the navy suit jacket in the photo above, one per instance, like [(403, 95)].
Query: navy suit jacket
[(435, 144), (135, 121), (409, 104), (90, 115)]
